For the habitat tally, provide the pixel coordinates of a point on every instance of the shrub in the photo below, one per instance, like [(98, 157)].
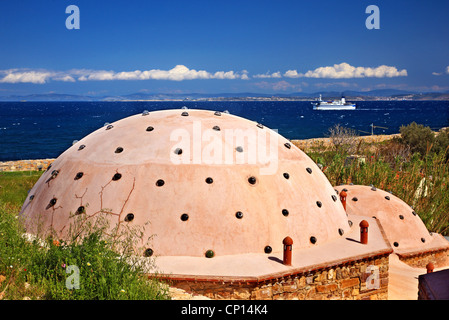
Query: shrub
[(418, 137), (442, 142), (343, 139)]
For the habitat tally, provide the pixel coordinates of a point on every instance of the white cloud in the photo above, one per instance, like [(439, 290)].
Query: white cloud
[(16, 76), (291, 74), (178, 73), (436, 73), (268, 75), (345, 70), (447, 69)]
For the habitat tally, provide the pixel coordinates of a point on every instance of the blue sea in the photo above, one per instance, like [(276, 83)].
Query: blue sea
[(35, 130)]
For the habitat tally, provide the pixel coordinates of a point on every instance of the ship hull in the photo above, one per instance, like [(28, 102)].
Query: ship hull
[(334, 107)]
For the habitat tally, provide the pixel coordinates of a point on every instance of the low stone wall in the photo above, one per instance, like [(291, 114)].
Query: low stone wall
[(439, 258), (365, 279), (326, 143), (26, 165)]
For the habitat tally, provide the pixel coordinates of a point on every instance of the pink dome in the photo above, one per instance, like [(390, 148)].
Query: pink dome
[(196, 181), (404, 229)]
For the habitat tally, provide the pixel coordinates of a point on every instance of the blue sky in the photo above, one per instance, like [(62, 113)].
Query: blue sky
[(168, 46)]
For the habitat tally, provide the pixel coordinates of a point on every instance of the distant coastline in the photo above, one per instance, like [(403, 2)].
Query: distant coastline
[(374, 95)]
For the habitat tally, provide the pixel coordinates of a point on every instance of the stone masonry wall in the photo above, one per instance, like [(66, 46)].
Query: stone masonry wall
[(26, 165), (359, 280), (439, 258)]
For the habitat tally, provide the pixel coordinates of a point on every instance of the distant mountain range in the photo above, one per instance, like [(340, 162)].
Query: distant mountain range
[(382, 94)]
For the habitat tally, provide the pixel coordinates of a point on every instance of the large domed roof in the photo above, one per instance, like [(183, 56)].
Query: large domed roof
[(199, 181)]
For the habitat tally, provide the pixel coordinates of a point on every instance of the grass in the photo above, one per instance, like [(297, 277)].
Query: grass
[(90, 268), (14, 187), (420, 181)]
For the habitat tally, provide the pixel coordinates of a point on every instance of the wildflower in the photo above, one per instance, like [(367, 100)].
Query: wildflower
[(63, 265), (122, 290), (88, 264)]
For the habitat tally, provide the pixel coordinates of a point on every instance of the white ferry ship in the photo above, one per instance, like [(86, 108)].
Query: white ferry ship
[(333, 104)]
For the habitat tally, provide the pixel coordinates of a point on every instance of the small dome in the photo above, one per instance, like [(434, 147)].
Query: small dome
[(198, 181), (404, 229)]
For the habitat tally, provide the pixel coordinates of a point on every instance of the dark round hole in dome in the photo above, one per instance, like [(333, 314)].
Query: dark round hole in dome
[(185, 114), (319, 204), (287, 145), (252, 180), (53, 175), (259, 125), (350, 223), (387, 197), (184, 217), (150, 128), (116, 176), (81, 147), (178, 151), (109, 127), (414, 213), (129, 217), (217, 113), (239, 149), (145, 113), (52, 203), (285, 212), (345, 190), (373, 188), (119, 150), (78, 176), (209, 180), (216, 128), (80, 210), (355, 199), (401, 217), (341, 231), (313, 240), (210, 254), (396, 244), (309, 170), (32, 197), (267, 249), (239, 215), (423, 240), (286, 175), (334, 197), (148, 252), (160, 183)]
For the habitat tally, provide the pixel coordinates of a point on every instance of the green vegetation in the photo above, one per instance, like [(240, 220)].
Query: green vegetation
[(38, 269), (423, 140), (414, 167), (14, 187)]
